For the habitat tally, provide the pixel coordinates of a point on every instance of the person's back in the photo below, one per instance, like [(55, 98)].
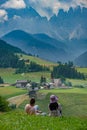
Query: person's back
[(33, 109), (54, 107), (29, 108)]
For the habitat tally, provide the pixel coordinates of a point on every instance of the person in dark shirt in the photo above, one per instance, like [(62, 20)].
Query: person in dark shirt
[(54, 107)]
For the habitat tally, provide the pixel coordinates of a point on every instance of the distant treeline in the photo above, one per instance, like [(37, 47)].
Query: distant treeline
[(66, 70), (8, 58), (31, 67)]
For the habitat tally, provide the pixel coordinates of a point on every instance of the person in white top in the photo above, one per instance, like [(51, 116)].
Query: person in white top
[(31, 108)]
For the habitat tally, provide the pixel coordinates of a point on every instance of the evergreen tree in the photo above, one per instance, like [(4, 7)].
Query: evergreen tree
[(66, 70), (1, 81)]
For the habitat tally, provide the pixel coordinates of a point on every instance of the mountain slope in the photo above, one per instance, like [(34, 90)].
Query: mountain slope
[(82, 60), (45, 38), (8, 48), (7, 56), (36, 45)]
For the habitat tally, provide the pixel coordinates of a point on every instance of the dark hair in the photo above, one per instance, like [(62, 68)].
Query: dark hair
[(32, 101)]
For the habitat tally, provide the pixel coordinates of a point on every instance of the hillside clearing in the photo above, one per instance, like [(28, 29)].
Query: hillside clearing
[(18, 99)]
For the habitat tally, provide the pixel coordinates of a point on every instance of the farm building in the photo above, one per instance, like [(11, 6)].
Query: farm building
[(57, 82), (21, 83)]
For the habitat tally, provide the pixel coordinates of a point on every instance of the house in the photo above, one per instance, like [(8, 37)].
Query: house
[(57, 82), (21, 83)]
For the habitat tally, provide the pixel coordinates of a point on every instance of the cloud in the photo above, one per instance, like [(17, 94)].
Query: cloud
[(3, 15), (42, 6), (17, 4)]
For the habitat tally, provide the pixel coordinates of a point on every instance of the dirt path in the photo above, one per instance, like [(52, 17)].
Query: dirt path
[(18, 99)]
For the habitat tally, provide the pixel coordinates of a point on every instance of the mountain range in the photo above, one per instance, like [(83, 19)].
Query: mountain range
[(63, 37), (63, 26), (38, 44)]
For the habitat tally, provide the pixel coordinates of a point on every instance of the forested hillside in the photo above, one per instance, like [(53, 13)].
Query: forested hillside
[(7, 55)]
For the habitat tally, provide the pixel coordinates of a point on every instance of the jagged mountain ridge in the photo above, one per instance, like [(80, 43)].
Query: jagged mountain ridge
[(63, 26)]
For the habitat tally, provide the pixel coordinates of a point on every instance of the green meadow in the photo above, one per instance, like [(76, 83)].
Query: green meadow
[(9, 76), (11, 91), (37, 60), (74, 107), (18, 120), (73, 101)]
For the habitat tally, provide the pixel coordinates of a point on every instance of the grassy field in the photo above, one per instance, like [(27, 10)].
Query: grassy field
[(18, 120), (77, 82), (73, 101), (8, 92), (82, 70), (38, 60), (9, 76), (74, 107)]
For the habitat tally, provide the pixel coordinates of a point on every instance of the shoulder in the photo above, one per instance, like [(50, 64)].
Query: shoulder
[(27, 106)]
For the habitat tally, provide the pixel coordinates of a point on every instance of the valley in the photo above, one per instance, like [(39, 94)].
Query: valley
[(43, 52)]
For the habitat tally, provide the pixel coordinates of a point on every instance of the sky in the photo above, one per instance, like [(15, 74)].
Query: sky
[(43, 7)]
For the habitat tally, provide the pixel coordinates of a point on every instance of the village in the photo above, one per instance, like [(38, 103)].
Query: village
[(56, 83)]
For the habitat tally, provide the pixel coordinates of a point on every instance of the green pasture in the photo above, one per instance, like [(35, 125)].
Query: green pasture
[(82, 70), (18, 120), (74, 108), (9, 76), (38, 60), (66, 90), (8, 92), (73, 101), (76, 82)]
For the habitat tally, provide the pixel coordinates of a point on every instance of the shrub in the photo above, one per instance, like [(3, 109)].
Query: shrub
[(4, 105), (12, 106), (79, 86)]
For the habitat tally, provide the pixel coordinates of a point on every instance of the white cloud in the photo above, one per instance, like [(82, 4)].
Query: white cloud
[(3, 15), (17, 4), (54, 5)]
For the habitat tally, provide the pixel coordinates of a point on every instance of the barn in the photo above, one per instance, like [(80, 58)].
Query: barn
[(21, 83)]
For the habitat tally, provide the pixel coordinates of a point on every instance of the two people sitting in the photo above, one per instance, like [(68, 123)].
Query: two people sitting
[(54, 107)]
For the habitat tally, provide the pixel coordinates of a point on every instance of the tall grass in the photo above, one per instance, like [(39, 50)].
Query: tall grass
[(18, 120)]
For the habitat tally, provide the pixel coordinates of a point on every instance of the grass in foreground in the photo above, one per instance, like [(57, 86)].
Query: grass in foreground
[(18, 120)]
